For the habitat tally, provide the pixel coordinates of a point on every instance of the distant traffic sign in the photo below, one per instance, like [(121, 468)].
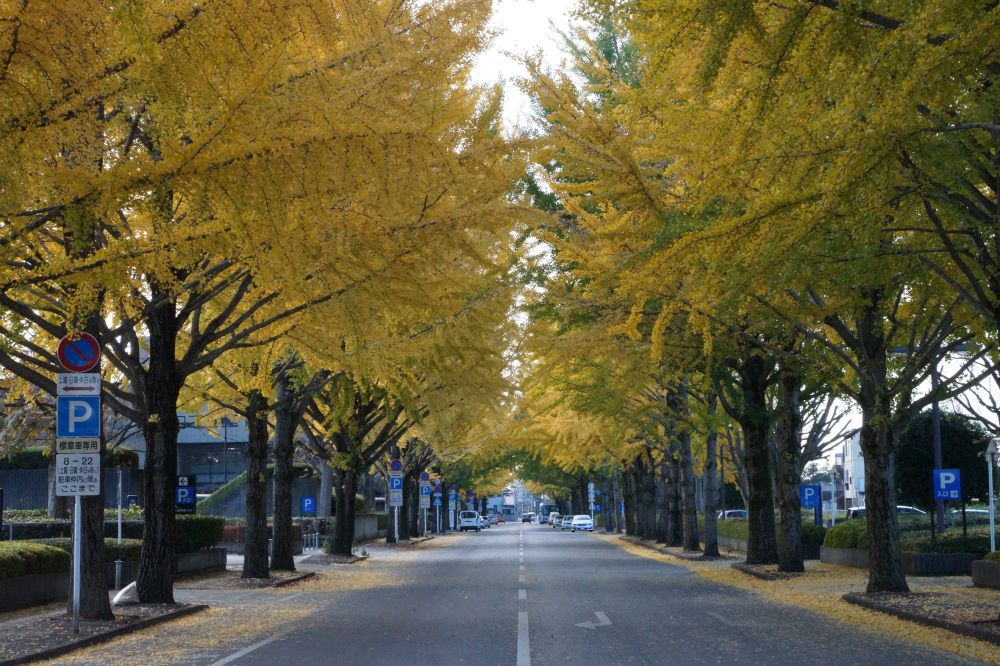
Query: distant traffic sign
[(590, 486), (308, 505), (437, 501), (396, 483), (424, 476), (396, 466), (81, 353)]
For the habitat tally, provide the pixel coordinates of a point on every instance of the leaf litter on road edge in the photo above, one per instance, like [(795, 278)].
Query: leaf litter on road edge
[(224, 629), (820, 591)]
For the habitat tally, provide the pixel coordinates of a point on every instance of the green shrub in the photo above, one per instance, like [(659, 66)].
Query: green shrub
[(360, 505), (32, 457), (130, 513), (20, 558), (992, 557), (26, 516), (197, 532), (383, 521), (848, 534), (734, 528), (129, 551), (739, 528), (948, 543), (813, 534)]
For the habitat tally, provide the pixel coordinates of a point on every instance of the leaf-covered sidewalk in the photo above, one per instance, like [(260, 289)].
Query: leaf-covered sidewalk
[(822, 587)]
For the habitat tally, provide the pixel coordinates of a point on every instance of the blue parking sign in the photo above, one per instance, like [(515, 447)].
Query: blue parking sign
[(308, 505), (395, 483), (947, 484), (78, 416), (185, 495), (810, 496)]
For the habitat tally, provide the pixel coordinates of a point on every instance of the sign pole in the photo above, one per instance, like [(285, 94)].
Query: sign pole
[(77, 562), (990, 452), (395, 520), (118, 562)]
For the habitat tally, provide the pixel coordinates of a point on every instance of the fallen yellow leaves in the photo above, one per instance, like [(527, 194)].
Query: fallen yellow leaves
[(821, 588)]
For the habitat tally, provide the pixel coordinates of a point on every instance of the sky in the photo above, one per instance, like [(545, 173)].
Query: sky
[(525, 26)]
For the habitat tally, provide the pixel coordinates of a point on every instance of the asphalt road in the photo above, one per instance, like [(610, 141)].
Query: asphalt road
[(518, 594)]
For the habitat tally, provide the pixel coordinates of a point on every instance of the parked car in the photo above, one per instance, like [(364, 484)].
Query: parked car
[(566, 522), (584, 523), (484, 521), (553, 519), (501, 519), (860, 512), (971, 515), (469, 520), (493, 520), (733, 513), (527, 517)]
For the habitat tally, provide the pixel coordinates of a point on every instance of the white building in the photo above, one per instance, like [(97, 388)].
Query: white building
[(854, 472)]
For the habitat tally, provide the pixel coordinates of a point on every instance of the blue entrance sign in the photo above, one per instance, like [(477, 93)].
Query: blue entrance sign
[(78, 416), (308, 505), (597, 507), (133, 500), (947, 484), (395, 483), (184, 496), (810, 496)]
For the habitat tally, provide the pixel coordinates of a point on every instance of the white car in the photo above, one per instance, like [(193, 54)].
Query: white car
[(554, 519), (484, 521), (583, 523), (564, 522), (469, 520)]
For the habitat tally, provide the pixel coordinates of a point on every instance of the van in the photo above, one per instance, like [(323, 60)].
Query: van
[(468, 520)]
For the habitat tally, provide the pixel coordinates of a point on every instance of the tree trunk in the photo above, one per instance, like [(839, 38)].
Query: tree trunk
[(648, 501), (345, 490), (629, 498), (689, 507), (284, 476), (663, 500), (325, 490), (762, 542), (56, 504), (155, 582), (787, 474), (255, 555), (675, 519), (711, 493)]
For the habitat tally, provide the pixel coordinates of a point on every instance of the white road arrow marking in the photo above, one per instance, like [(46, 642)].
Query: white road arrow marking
[(603, 621)]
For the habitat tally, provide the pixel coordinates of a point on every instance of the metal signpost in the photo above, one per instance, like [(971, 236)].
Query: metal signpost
[(396, 491), (811, 497), (78, 438), (451, 508), (186, 493), (590, 499), (437, 502), (425, 496)]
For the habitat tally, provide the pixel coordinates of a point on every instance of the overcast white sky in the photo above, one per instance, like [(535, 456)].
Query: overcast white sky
[(526, 28)]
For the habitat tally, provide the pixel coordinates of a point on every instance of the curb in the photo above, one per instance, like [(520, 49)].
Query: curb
[(954, 627), (103, 637), (750, 571), (296, 579)]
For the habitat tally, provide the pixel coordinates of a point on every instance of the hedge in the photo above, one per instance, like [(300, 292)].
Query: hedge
[(382, 521), (992, 557), (129, 551), (18, 558), (197, 532), (192, 532), (854, 534), (739, 528)]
